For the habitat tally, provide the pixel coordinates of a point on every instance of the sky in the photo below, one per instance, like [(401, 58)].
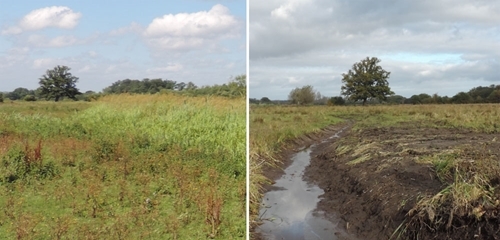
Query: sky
[(429, 46), (202, 41)]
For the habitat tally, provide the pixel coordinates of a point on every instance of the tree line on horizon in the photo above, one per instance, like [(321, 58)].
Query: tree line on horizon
[(58, 84), (480, 94), (367, 82)]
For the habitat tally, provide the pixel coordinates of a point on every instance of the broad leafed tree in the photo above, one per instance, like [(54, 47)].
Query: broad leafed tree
[(366, 80), (302, 96), (58, 83)]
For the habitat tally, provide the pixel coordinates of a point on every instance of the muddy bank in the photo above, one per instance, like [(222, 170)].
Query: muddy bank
[(295, 146), (289, 203), (372, 178)]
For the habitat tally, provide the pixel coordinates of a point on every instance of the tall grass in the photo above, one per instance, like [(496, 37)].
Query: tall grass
[(124, 167)]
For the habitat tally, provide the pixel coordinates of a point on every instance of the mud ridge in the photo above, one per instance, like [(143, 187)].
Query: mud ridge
[(371, 178)]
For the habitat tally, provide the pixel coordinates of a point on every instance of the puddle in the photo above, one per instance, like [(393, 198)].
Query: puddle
[(287, 210)]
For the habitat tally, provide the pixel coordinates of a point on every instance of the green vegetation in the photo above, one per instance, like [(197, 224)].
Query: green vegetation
[(489, 94), (160, 166), (366, 80), (56, 84), (336, 101), (304, 95), (470, 173), (60, 84)]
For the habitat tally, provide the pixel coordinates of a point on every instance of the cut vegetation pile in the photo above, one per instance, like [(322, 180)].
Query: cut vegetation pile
[(125, 167)]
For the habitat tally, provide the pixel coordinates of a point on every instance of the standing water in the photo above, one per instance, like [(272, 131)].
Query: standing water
[(288, 208)]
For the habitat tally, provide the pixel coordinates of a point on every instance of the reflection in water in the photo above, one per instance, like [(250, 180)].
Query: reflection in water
[(288, 209)]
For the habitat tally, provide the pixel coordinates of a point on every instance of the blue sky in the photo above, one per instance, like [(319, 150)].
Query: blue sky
[(104, 41), (429, 46)]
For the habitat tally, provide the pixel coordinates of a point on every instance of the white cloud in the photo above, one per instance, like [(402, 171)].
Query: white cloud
[(286, 10), (186, 31), (42, 41), (12, 31), (62, 41), (59, 41), (293, 80), (176, 43), (43, 63), (170, 68), (55, 16)]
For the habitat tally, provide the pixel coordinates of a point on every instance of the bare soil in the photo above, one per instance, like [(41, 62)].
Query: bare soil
[(373, 197)]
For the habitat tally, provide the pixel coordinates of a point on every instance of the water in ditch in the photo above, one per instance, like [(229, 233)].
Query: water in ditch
[(288, 209)]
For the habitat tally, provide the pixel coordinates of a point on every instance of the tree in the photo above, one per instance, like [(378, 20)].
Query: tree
[(265, 100), (461, 98), (366, 80), (191, 86), (19, 93), (480, 94), (29, 98), (396, 99), (180, 86), (494, 96), (238, 86), (58, 83), (337, 101), (301, 96)]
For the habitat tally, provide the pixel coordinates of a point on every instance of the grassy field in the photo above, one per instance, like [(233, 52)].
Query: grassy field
[(124, 167), (468, 173)]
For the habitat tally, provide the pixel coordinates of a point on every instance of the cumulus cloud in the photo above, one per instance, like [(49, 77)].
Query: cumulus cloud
[(300, 42), (60, 17), (55, 16), (186, 31)]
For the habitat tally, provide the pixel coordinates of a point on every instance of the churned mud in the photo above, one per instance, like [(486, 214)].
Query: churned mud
[(362, 184), (372, 178)]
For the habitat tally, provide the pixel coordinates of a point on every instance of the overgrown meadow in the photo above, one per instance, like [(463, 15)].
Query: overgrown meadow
[(158, 166)]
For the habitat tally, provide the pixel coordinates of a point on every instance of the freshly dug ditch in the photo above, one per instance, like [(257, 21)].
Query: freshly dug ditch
[(288, 206), (373, 178)]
